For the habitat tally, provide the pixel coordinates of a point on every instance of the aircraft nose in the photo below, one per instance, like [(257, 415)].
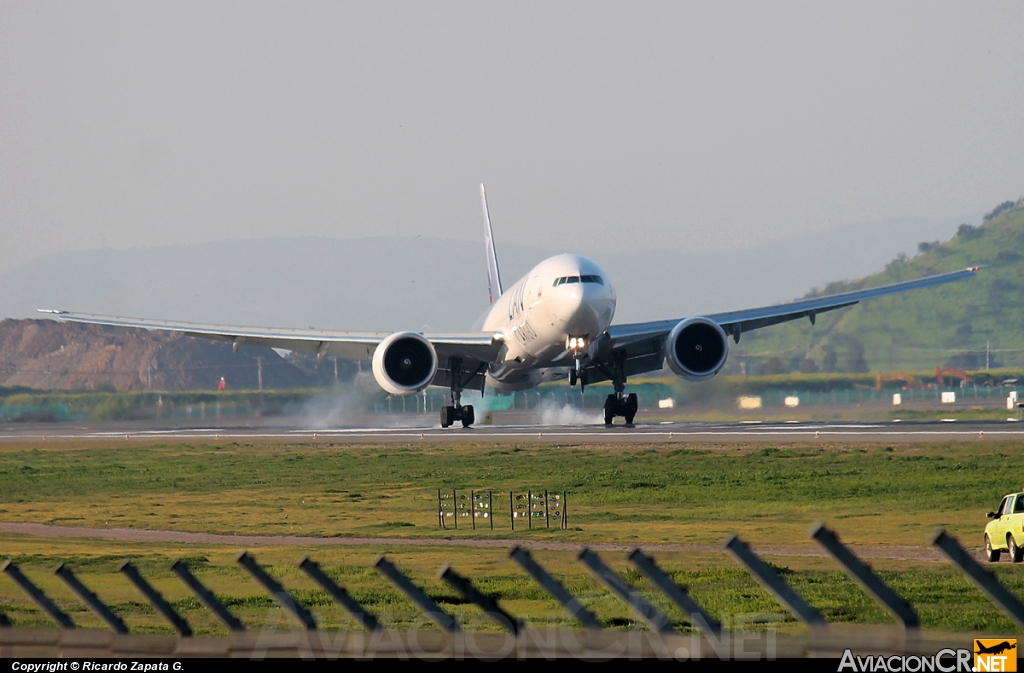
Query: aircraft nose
[(584, 306)]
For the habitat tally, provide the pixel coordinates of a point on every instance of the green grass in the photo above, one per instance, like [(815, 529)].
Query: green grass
[(655, 493), (769, 493)]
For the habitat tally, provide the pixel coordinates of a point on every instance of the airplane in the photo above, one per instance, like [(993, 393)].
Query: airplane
[(995, 649), (554, 323)]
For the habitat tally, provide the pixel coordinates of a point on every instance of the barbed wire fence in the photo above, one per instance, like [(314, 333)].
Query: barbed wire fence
[(662, 639)]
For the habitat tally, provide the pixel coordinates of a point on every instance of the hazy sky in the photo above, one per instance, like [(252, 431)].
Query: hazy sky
[(596, 126)]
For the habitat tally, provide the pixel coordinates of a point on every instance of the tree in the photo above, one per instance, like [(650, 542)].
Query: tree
[(999, 210), (967, 231), (855, 361), (830, 363), (772, 367), (901, 258), (971, 360), (807, 366)]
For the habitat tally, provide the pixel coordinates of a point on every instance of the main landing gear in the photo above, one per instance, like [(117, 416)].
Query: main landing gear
[(618, 403), (457, 412)]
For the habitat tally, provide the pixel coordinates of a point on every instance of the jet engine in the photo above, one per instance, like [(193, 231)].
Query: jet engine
[(696, 349), (404, 363)]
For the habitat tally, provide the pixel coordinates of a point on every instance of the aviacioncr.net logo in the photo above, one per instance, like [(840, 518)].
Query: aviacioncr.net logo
[(995, 654), (944, 661)]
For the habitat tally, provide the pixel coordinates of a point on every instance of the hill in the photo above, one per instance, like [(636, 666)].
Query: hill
[(963, 325), (44, 354)]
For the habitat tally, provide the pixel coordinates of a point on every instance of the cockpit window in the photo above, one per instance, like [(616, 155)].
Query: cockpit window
[(567, 280)]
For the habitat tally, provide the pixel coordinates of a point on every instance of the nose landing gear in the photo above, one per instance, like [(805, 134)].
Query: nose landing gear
[(578, 375)]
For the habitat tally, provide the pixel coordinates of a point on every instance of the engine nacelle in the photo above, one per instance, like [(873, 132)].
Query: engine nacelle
[(404, 363), (696, 349)]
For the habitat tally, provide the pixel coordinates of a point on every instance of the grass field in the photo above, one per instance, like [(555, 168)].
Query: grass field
[(673, 493)]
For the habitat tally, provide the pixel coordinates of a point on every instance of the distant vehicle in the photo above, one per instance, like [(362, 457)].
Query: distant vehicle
[(555, 323), (1006, 526)]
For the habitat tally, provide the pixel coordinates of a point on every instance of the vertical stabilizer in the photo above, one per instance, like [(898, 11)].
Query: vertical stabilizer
[(493, 277)]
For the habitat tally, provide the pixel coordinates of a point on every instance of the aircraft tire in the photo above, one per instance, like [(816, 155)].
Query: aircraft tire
[(445, 417), (631, 406), (609, 409), (468, 416)]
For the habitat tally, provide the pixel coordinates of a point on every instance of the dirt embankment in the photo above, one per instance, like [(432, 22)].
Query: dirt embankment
[(64, 356)]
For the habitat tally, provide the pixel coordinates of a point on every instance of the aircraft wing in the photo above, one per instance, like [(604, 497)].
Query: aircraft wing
[(643, 342), (471, 346)]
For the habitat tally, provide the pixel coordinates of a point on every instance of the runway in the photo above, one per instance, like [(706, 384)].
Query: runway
[(749, 431)]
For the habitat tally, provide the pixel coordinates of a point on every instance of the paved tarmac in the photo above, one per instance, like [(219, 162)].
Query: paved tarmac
[(749, 431)]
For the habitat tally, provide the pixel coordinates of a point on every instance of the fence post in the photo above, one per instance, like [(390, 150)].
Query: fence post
[(677, 594), (486, 603), (91, 599), (419, 597), (206, 596), (36, 594), (982, 578), (771, 581), (647, 612), (154, 597), (367, 619), (555, 588), (274, 588), (897, 606)]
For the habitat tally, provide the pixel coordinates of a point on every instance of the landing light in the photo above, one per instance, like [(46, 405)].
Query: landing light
[(577, 343)]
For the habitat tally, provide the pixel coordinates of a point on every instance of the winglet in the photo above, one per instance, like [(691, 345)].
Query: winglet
[(493, 277)]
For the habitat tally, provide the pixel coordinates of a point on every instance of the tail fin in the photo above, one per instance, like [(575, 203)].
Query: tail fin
[(493, 277)]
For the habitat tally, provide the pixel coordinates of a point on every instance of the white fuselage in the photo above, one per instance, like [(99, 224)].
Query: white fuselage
[(564, 297)]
